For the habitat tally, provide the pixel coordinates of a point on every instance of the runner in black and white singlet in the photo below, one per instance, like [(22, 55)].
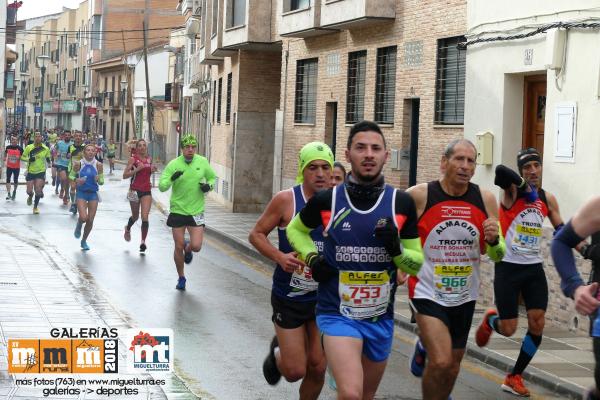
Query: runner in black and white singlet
[(457, 223), (294, 292), (524, 206)]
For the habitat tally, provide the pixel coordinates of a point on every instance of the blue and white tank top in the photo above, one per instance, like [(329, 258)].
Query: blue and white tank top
[(89, 171), (297, 286), (365, 283)]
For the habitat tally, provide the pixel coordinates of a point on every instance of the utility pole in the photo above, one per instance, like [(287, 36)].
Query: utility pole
[(148, 103)]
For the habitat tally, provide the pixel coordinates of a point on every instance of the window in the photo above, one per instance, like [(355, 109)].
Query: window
[(220, 94), (237, 15), (306, 91), (385, 86), (450, 81), (83, 75), (298, 4), (355, 97), (106, 84), (228, 105), (113, 83), (96, 33)]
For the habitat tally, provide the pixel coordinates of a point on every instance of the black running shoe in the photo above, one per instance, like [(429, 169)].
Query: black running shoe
[(270, 371), (143, 247)]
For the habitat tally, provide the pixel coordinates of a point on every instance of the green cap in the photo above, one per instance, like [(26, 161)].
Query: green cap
[(188, 140), (311, 152)]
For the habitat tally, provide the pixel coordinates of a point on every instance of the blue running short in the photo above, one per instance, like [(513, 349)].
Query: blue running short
[(377, 336), (87, 196)]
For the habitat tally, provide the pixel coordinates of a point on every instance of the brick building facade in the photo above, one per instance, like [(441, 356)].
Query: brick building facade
[(411, 29)]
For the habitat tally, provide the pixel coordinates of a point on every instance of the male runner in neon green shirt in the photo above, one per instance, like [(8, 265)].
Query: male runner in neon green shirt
[(37, 156), (190, 176)]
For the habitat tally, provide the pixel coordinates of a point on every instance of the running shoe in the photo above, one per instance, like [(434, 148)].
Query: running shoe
[(188, 254), (14, 194), (54, 181), (8, 197), (514, 384), (77, 232), (484, 331), (127, 234), (180, 283), (65, 200), (36, 210), (417, 361), (73, 209), (29, 200), (84, 245), (56, 191), (143, 247), (270, 371)]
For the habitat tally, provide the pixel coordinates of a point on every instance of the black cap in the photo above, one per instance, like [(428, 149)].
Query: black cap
[(526, 155)]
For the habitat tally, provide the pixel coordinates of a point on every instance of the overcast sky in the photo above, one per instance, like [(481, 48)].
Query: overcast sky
[(37, 8)]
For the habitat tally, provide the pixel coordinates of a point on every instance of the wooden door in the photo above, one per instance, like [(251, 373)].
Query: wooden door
[(534, 112)]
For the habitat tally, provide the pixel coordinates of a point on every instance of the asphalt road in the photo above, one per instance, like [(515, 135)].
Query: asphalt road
[(221, 323)]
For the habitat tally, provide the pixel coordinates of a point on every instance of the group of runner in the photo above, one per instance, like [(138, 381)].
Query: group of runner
[(77, 172), (345, 244)]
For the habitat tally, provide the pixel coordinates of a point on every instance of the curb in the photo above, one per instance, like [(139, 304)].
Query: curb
[(490, 358)]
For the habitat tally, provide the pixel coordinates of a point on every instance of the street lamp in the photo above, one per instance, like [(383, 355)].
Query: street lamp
[(123, 85), (60, 90), (42, 61), (16, 104), (24, 76)]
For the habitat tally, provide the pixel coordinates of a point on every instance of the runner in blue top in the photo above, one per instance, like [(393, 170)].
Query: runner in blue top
[(371, 243), (294, 295), (62, 165), (87, 174)]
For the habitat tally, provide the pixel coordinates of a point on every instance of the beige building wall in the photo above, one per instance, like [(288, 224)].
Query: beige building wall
[(420, 22)]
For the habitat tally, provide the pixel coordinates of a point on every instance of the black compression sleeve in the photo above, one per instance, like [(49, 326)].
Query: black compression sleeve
[(311, 213), (405, 205)]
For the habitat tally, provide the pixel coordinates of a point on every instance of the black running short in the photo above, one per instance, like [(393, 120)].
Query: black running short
[(31, 177), (527, 279), (180, 221), (14, 173), (458, 318), (141, 194), (289, 314)]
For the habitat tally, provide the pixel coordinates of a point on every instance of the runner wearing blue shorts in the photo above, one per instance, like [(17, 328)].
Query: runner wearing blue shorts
[(87, 174), (370, 244)]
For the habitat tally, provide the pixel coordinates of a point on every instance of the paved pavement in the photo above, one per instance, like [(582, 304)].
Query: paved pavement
[(564, 363), (40, 290)]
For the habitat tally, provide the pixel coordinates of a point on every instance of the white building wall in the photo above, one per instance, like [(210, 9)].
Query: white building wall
[(495, 92)]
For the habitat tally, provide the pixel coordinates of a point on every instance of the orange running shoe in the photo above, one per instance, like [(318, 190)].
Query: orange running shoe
[(484, 330), (514, 384)]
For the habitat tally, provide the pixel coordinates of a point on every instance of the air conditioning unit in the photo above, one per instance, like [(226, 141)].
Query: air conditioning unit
[(196, 101)]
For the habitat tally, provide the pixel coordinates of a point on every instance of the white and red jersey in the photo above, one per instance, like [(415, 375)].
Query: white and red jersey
[(522, 229), (451, 232)]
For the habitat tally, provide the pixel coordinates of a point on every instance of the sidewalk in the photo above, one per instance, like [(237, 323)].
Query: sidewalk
[(40, 291), (564, 363)]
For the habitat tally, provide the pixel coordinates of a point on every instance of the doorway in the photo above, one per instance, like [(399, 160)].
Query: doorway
[(331, 125), (534, 112)]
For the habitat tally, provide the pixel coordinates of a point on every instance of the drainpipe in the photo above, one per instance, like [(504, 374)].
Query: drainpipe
[(285, 79)]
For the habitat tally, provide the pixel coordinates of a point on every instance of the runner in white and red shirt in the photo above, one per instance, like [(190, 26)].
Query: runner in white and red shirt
[(524, 206)]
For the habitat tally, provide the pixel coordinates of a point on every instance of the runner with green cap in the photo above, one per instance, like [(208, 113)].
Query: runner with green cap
[(294, 292), (190, 177)]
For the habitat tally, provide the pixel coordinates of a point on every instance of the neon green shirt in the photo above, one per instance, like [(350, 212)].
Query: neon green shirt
[(186, 196), (76, 153), (52, 138), (40, 155)]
